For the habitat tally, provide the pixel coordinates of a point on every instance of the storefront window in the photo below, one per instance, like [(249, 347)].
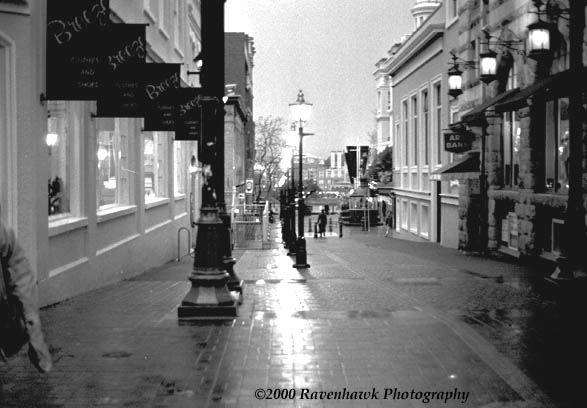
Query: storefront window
[(180, 168), (155, 165), (112, 184), (511, 149), (57, 139), (450, 187), (557, 145)]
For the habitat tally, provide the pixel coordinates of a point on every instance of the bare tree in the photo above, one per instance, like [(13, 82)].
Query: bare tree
[(269, 145)]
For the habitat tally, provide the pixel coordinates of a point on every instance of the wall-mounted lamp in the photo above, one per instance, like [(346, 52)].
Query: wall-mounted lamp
[(455, 81), (51, 139), (487, 66), (199, 63), (539, 33), (536, 47), (102, 154)]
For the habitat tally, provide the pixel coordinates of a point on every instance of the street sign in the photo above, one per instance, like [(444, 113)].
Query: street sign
[(249, 186)]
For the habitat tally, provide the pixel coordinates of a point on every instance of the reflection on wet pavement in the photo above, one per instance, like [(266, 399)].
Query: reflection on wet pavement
[(364, 317)]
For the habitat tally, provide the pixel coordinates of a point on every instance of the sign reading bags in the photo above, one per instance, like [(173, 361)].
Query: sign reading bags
[(158, 81), (125, 50), (74, 48)]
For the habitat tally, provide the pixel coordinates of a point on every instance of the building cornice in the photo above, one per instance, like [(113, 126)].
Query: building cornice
[(413, 46)]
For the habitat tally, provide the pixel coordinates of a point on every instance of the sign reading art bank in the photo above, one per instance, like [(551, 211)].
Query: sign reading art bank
[(458, 142), (74, 48)]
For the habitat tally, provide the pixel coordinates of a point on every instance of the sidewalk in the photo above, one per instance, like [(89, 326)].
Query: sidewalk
[(338, 326)]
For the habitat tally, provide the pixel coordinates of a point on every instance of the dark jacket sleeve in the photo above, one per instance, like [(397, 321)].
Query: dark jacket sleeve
[(22, 283)]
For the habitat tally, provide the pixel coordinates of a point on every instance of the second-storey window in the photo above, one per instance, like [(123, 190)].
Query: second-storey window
[(405, 132), (426, 126), (438, 122), (415, 128)]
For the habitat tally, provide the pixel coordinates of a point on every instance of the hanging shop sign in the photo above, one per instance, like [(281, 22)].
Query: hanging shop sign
[(159, 79), (188, 113), (458, 141), (74, 48), (121, 90), (364, 154), (350, 158)]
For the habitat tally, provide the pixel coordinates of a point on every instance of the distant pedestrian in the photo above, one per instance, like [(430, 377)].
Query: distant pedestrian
[(322, 220), (18, 291), (388, 223)]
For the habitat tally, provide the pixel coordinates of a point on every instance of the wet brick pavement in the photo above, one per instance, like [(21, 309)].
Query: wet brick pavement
[(372, 313)]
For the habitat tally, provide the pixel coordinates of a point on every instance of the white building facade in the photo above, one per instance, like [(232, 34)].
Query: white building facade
[(414, 118), (93, 200)]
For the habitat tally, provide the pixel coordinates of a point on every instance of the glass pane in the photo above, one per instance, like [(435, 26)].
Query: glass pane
[(58, 140), (112, 185), (155, 165), (563, 143), (180, 167), (551, 143)]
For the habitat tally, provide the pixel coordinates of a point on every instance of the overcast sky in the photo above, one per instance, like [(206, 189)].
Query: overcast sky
[(329, 49)]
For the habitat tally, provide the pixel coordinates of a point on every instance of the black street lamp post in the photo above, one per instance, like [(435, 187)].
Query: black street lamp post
[(292, 213), (300, 112), (572, 263), (209, 296)]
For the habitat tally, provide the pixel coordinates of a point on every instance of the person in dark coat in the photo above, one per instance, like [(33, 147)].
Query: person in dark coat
[(322, 220), (388, 223), (21, 282)]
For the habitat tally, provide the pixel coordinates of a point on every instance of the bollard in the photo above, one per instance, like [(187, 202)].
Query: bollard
[(340, 229), (179, 242), (316, 230), (330, 225), (309, 224)]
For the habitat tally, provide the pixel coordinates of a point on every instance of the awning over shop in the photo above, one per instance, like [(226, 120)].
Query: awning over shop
[(554, 85), (384, 189), (476, 116), (466, 167)]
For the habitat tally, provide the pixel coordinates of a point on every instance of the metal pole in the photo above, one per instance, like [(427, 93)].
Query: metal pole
[(572, 263), (209, 295), (301, 256), (292, 212)]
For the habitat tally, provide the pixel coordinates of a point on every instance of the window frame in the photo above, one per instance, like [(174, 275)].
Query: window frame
[(437, 119)]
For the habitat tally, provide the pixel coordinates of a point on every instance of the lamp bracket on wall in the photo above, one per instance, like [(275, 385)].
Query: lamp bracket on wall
[(459, 62), (516, 45)]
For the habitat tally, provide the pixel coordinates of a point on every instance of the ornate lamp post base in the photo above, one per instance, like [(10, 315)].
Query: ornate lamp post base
[(209, 296), (234, 284), (301, 254), (570, 281)]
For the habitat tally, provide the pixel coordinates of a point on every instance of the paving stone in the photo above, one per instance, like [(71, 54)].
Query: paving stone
[(371, 313)]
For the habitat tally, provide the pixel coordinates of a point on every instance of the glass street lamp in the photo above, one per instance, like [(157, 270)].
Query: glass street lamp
[(487, 66), (538, 39)]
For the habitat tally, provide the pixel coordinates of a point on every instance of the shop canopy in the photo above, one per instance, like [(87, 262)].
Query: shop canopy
[(476, 117), (464, 168), (557, 85)]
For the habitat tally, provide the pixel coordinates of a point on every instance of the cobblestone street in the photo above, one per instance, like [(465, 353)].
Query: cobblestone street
[(387, 317)]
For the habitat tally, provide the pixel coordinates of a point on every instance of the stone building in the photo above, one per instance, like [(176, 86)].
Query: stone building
[(239, 127), (524, 116)]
